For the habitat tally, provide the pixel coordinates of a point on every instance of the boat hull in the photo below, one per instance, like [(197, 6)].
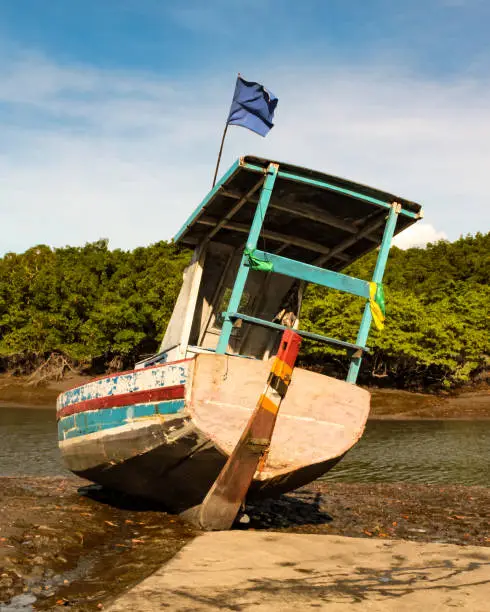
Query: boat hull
[(164, 433)]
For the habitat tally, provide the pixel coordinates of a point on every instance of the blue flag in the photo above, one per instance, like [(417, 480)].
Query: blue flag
[(253, 107)]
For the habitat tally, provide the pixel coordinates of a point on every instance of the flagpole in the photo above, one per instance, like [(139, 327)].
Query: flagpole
[(219, 154)]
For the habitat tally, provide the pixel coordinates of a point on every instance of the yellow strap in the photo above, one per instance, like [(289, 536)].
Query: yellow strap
[(378, 317)]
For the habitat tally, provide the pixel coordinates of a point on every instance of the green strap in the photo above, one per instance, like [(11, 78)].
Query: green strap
[(255, 263), (377, 304), (380, 298)]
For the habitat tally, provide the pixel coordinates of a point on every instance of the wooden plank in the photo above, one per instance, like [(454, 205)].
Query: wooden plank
[(379, 269), (301, 209), (192, 301), (345, 244), (276, 236), (235, 209), (309, 211), (223, 501), (253, 233)]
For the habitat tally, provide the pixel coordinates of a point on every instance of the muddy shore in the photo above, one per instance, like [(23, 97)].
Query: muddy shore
[(395, 404), (385, 403), (65, 547)]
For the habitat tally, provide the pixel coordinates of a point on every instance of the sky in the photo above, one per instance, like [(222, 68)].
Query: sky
[(111, 111)]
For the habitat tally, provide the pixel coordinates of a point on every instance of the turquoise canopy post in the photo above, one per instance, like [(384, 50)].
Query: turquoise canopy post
[(243, 270), (378, 273)]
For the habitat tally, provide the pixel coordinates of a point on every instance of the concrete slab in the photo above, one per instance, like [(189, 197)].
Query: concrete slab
[(264, 571)]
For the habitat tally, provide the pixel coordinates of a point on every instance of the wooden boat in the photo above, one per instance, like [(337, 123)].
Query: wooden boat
[(165, 429)]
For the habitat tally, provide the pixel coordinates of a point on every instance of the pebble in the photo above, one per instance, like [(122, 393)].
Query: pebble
[(45, 528)]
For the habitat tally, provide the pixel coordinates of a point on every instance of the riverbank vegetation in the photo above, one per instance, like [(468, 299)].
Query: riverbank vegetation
[(92, 309)]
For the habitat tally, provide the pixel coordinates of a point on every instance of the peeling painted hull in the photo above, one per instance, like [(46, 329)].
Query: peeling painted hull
[(165, 432)]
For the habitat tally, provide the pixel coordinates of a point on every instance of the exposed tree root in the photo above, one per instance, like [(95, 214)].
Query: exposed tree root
[(53, 368)]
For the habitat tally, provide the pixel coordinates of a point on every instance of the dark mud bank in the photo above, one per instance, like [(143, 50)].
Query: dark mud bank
[(66, 547)]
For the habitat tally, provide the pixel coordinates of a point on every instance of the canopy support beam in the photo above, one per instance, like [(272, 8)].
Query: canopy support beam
[(378, 273), (313, 274), (243, 270), (301, 332)]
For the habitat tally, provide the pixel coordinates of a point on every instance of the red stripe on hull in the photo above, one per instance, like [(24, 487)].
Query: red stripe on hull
[(125, 399)]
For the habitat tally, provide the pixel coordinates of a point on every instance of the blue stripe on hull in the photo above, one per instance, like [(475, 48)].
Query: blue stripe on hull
[(84, 423)]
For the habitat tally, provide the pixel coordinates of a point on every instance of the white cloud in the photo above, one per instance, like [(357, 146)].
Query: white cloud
[(87, 153), (418, 235)]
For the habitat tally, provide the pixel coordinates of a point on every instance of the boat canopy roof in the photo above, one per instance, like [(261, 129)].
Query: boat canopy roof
[(312, 217)]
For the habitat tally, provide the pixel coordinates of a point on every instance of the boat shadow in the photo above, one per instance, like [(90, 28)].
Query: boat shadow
[(278, 513), (119, 500), (283, 512)]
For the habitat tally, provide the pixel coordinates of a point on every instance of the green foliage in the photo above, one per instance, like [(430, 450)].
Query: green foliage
[(93, 304), (88, 302)]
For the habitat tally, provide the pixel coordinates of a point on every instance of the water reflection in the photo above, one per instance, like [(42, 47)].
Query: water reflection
[(29, 443), (428, 452)]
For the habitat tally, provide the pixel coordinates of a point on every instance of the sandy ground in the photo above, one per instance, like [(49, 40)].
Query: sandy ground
[(305, 572), (62, 547)]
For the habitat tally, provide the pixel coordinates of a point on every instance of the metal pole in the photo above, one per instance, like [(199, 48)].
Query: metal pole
[(378, 273), (219, 154), (242, 274)]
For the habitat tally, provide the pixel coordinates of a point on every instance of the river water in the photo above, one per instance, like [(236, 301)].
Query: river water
[(428, 452)]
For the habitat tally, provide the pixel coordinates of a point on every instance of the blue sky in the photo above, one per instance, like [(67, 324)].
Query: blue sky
[(111, 110), (173, 37)]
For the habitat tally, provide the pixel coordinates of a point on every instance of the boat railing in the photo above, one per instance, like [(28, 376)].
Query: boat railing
[(352, 348)]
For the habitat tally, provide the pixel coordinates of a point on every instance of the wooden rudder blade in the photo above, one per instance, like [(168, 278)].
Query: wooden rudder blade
[(223, 501)]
